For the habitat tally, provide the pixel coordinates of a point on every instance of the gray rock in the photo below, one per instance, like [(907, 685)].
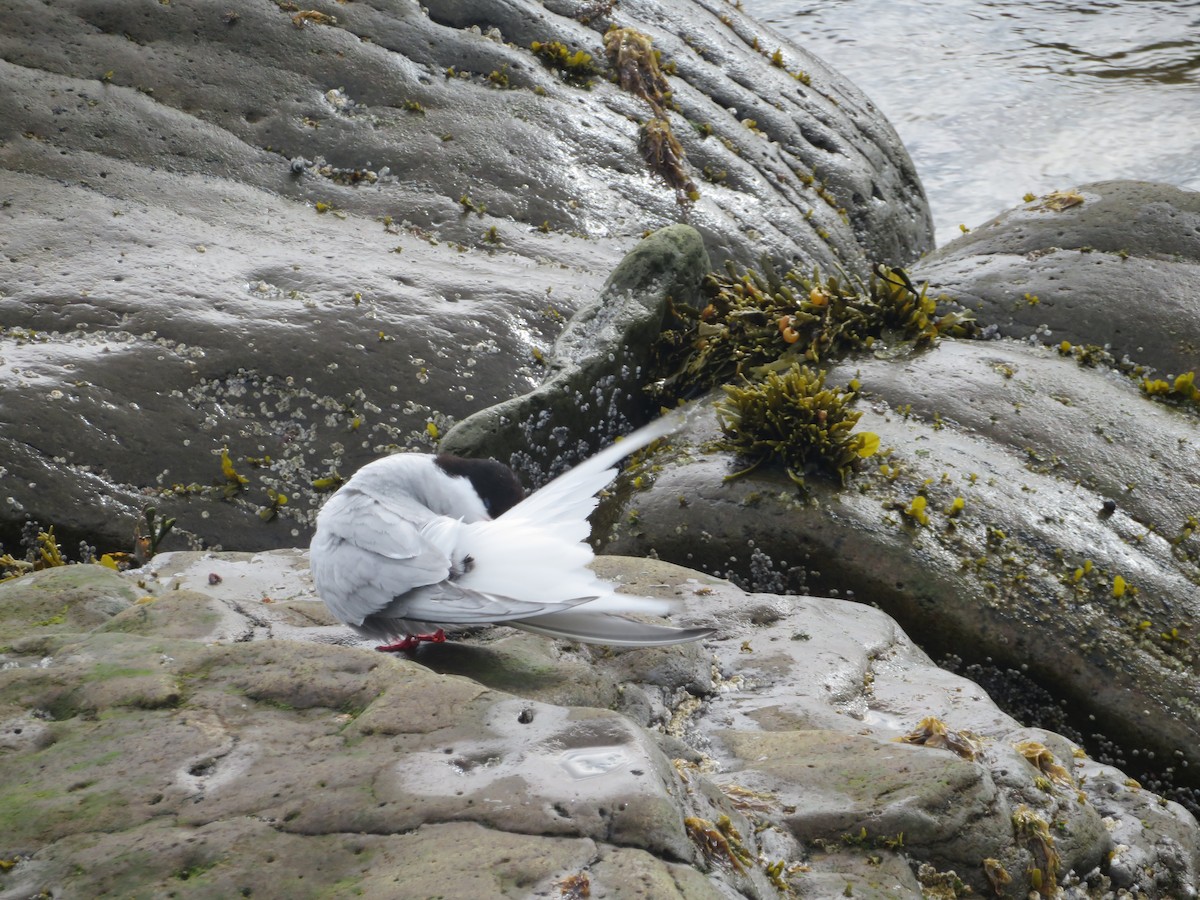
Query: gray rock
[(593, 387), (213, 765), (1118, 267), (310, 239), (1025, 574)]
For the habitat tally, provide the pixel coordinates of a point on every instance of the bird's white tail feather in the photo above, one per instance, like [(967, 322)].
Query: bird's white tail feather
[(567, 501), (520, 559)]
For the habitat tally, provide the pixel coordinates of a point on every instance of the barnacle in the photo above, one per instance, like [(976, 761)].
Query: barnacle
[(794, 418), (932, 732)]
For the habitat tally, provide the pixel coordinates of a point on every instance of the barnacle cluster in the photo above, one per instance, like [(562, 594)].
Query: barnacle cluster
[(795, 418), (754, 318)]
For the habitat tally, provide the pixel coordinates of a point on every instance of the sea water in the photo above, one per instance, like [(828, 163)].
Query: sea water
[(997, 98)]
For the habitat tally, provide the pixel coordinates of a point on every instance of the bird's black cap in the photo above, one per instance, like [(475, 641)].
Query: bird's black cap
[(495, 483)]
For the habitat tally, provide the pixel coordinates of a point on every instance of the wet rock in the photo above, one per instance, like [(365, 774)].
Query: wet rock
[(311, 238), (596, 372), (1114, 263), (775, 762), (1026, 573)]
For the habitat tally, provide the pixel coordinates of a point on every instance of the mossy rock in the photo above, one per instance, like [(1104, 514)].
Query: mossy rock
[(62, 600)]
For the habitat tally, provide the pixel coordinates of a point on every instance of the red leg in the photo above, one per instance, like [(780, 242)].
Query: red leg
[(411, 641)]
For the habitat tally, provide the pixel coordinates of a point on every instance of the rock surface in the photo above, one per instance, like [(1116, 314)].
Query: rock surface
[(310, 236), (1113, 263), (593, 389), (1057, 533), (1024, 573), (218, 734)]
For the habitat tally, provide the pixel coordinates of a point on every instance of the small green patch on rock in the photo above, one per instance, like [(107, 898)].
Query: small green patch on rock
[(576, 68), (62, 599)]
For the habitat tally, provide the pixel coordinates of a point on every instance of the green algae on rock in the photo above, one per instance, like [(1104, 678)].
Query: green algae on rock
[(141, 756), (791, 416)]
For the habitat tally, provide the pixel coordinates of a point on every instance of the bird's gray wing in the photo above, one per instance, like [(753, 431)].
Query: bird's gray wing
[(448, 603), (366, 553), (390, 528)]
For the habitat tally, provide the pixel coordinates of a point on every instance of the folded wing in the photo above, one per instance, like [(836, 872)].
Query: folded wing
[(366, 553)]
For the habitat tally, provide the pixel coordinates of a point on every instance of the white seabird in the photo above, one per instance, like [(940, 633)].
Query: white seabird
[(413, 542)]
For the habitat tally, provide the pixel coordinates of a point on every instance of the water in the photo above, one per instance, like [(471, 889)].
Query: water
[(997, 99)]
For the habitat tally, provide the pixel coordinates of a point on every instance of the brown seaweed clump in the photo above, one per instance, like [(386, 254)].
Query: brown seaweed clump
[(932, 732), (794, 418), (754, 319), (636, 62)]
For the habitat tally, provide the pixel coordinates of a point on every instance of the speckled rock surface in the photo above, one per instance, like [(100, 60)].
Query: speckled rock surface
[(1113, 263), (593, 387), (284, 754), (1026, 573), (310, 236)]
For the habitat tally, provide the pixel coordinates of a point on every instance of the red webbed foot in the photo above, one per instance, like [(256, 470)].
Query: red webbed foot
[(411, 641)]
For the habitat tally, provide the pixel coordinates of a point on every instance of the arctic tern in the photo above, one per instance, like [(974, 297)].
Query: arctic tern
[(414, 542)]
